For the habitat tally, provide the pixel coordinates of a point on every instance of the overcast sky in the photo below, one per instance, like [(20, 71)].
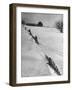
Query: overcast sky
[(46, 19)]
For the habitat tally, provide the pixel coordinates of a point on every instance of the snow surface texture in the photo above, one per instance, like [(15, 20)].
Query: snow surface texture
[(33, 62)]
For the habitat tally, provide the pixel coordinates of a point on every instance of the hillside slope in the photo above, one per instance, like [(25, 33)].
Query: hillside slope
[(32, 56)]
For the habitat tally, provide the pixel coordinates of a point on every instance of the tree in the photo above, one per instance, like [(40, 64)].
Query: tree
[(23, 22), (59, 25), (40, 23)]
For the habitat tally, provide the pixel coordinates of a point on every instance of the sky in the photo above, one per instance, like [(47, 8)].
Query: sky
[(47, 19)]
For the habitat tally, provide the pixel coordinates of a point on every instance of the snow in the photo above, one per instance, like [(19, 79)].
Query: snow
[(33, 61)]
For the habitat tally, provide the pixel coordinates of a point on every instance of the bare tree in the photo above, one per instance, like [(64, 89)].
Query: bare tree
[(59, 25)]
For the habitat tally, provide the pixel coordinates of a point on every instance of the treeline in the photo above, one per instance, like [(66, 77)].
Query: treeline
[(33, 24), (58, 25)]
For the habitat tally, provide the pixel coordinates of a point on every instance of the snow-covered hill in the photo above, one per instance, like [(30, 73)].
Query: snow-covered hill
[(32, 55)]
